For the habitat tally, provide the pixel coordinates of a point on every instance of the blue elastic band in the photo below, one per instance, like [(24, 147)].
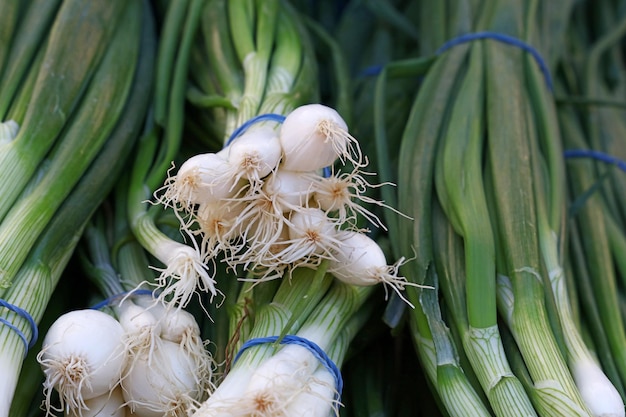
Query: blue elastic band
[(600, 156), (371, 71), (317, 351), (279, 118), (110, 300), (510, 40), (23, 313)]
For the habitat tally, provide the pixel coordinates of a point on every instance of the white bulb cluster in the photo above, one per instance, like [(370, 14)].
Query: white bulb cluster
[(151, 362), (264, 203)]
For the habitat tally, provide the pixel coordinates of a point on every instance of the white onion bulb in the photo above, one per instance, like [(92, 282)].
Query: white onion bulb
[(314, 136), (82, 357)]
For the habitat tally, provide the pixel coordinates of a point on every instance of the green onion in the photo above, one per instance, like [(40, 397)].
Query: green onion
[(435, 344), (86, 185), (58, 89)]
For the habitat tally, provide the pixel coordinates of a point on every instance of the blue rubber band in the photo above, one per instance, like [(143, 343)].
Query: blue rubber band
[(107, 302), (371, 71), (24, 314), (317, 351), (279, 118), (510, 40), (597, 155)]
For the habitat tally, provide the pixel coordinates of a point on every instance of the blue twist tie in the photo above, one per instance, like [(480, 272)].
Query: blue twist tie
[(597, 155), (317, 351), (107, 302), (371, 71), (23, 313), (279, 118), (510, 40)]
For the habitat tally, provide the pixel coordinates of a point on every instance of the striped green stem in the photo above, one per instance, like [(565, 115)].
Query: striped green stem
[(516, 218), (67, 69), (40, 273), (85, 134), (432, 339), (21, 51), (461, 192), (253, 43), (592, 225)]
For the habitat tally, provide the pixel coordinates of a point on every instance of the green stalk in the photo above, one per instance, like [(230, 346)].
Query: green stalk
[(20, 105), (225, 68), (433, 343), (285, 314), (433, 35), (550, 191), (342, 82), (461, 192), (159, 148), (584, 281), (305, 88), (331, 314), (96, 258), (606, 127), (286, 62), (67, 69), (253, 43), (253, 70), (454, 384), (175, 100), (516, 218), (617, 241), (168, 49), (464, 202), (86, 133), (40, 273), (450, 266), (9, 13), (433, 340), (396, 69), (127, 255), (21, 51), (590, 219), (219, 49)]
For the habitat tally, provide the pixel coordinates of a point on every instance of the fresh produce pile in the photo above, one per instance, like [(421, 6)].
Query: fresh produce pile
[(312, 208)]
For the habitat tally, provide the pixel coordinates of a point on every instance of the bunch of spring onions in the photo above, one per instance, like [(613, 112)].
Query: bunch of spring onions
[(482, 171), (264, 202), (327, 264), (226, 71), (145, 359), (71, 108), (236, 263), (323, 243), (303, 329), (311, 230), (261, 206), (591, 117)]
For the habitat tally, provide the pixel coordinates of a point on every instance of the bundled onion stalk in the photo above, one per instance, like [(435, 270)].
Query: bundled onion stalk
[(227, 72), (279, 204), (482, 169), (74, 94), (129, 351), (591, 117)]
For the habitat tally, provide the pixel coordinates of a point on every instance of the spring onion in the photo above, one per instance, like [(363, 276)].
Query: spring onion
[(77, 370), (313, 136), (73, 185)]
